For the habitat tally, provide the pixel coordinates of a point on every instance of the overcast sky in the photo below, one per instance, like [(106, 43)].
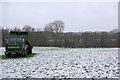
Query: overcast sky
[(77, 16)]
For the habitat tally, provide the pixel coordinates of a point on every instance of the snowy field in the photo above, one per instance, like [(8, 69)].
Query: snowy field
[(54, 62)]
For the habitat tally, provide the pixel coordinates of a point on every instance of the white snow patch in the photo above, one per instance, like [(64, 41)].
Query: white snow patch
[(61, 62)]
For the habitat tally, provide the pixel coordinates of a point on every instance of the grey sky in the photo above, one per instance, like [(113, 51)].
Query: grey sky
[(77, 16)]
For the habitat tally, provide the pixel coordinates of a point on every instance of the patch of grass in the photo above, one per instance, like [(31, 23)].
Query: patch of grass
[(17, 57)]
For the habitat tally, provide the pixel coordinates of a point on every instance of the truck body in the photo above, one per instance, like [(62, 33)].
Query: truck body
[(18, 43)]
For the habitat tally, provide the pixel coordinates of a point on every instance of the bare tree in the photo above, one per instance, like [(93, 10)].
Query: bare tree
[(49, 27), (16, 29), (58, 26), (55, 28), (28, 28)]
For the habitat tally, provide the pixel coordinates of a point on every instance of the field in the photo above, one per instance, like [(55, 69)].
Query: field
[(53, 62)]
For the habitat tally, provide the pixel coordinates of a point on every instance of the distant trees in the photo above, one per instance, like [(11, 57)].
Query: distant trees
[(28, 28), (0, 37), (55, 29), (5, 33), (53, 36), (16, 29), (86, 39)]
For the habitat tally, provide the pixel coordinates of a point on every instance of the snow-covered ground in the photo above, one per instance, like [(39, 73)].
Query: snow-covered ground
[(54, 62), (2, 49)]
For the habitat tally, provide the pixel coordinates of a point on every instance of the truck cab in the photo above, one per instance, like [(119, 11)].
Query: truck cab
[(17, 44)]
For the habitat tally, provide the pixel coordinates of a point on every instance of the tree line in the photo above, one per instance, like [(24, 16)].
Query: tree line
[(53, 36)]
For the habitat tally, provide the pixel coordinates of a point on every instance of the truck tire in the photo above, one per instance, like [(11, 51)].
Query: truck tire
[(25, 54), (8, 55), (29, 51)]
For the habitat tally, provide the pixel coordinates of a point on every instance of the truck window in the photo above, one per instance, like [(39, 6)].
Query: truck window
[(13, 40)]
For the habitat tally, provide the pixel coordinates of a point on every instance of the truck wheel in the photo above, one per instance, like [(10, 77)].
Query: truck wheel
[(30, 51), (8, 55), (25, 54)]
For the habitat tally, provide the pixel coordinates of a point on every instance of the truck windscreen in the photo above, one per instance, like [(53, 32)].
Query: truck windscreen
[(13, 40)]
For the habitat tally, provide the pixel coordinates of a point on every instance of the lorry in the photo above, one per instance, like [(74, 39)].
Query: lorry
[(18, 43)]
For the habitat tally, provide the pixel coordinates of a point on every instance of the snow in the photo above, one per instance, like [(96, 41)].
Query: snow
[(2, 49), (53, 62)]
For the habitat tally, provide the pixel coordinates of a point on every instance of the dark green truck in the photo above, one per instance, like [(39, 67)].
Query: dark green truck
[(18, 43)]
